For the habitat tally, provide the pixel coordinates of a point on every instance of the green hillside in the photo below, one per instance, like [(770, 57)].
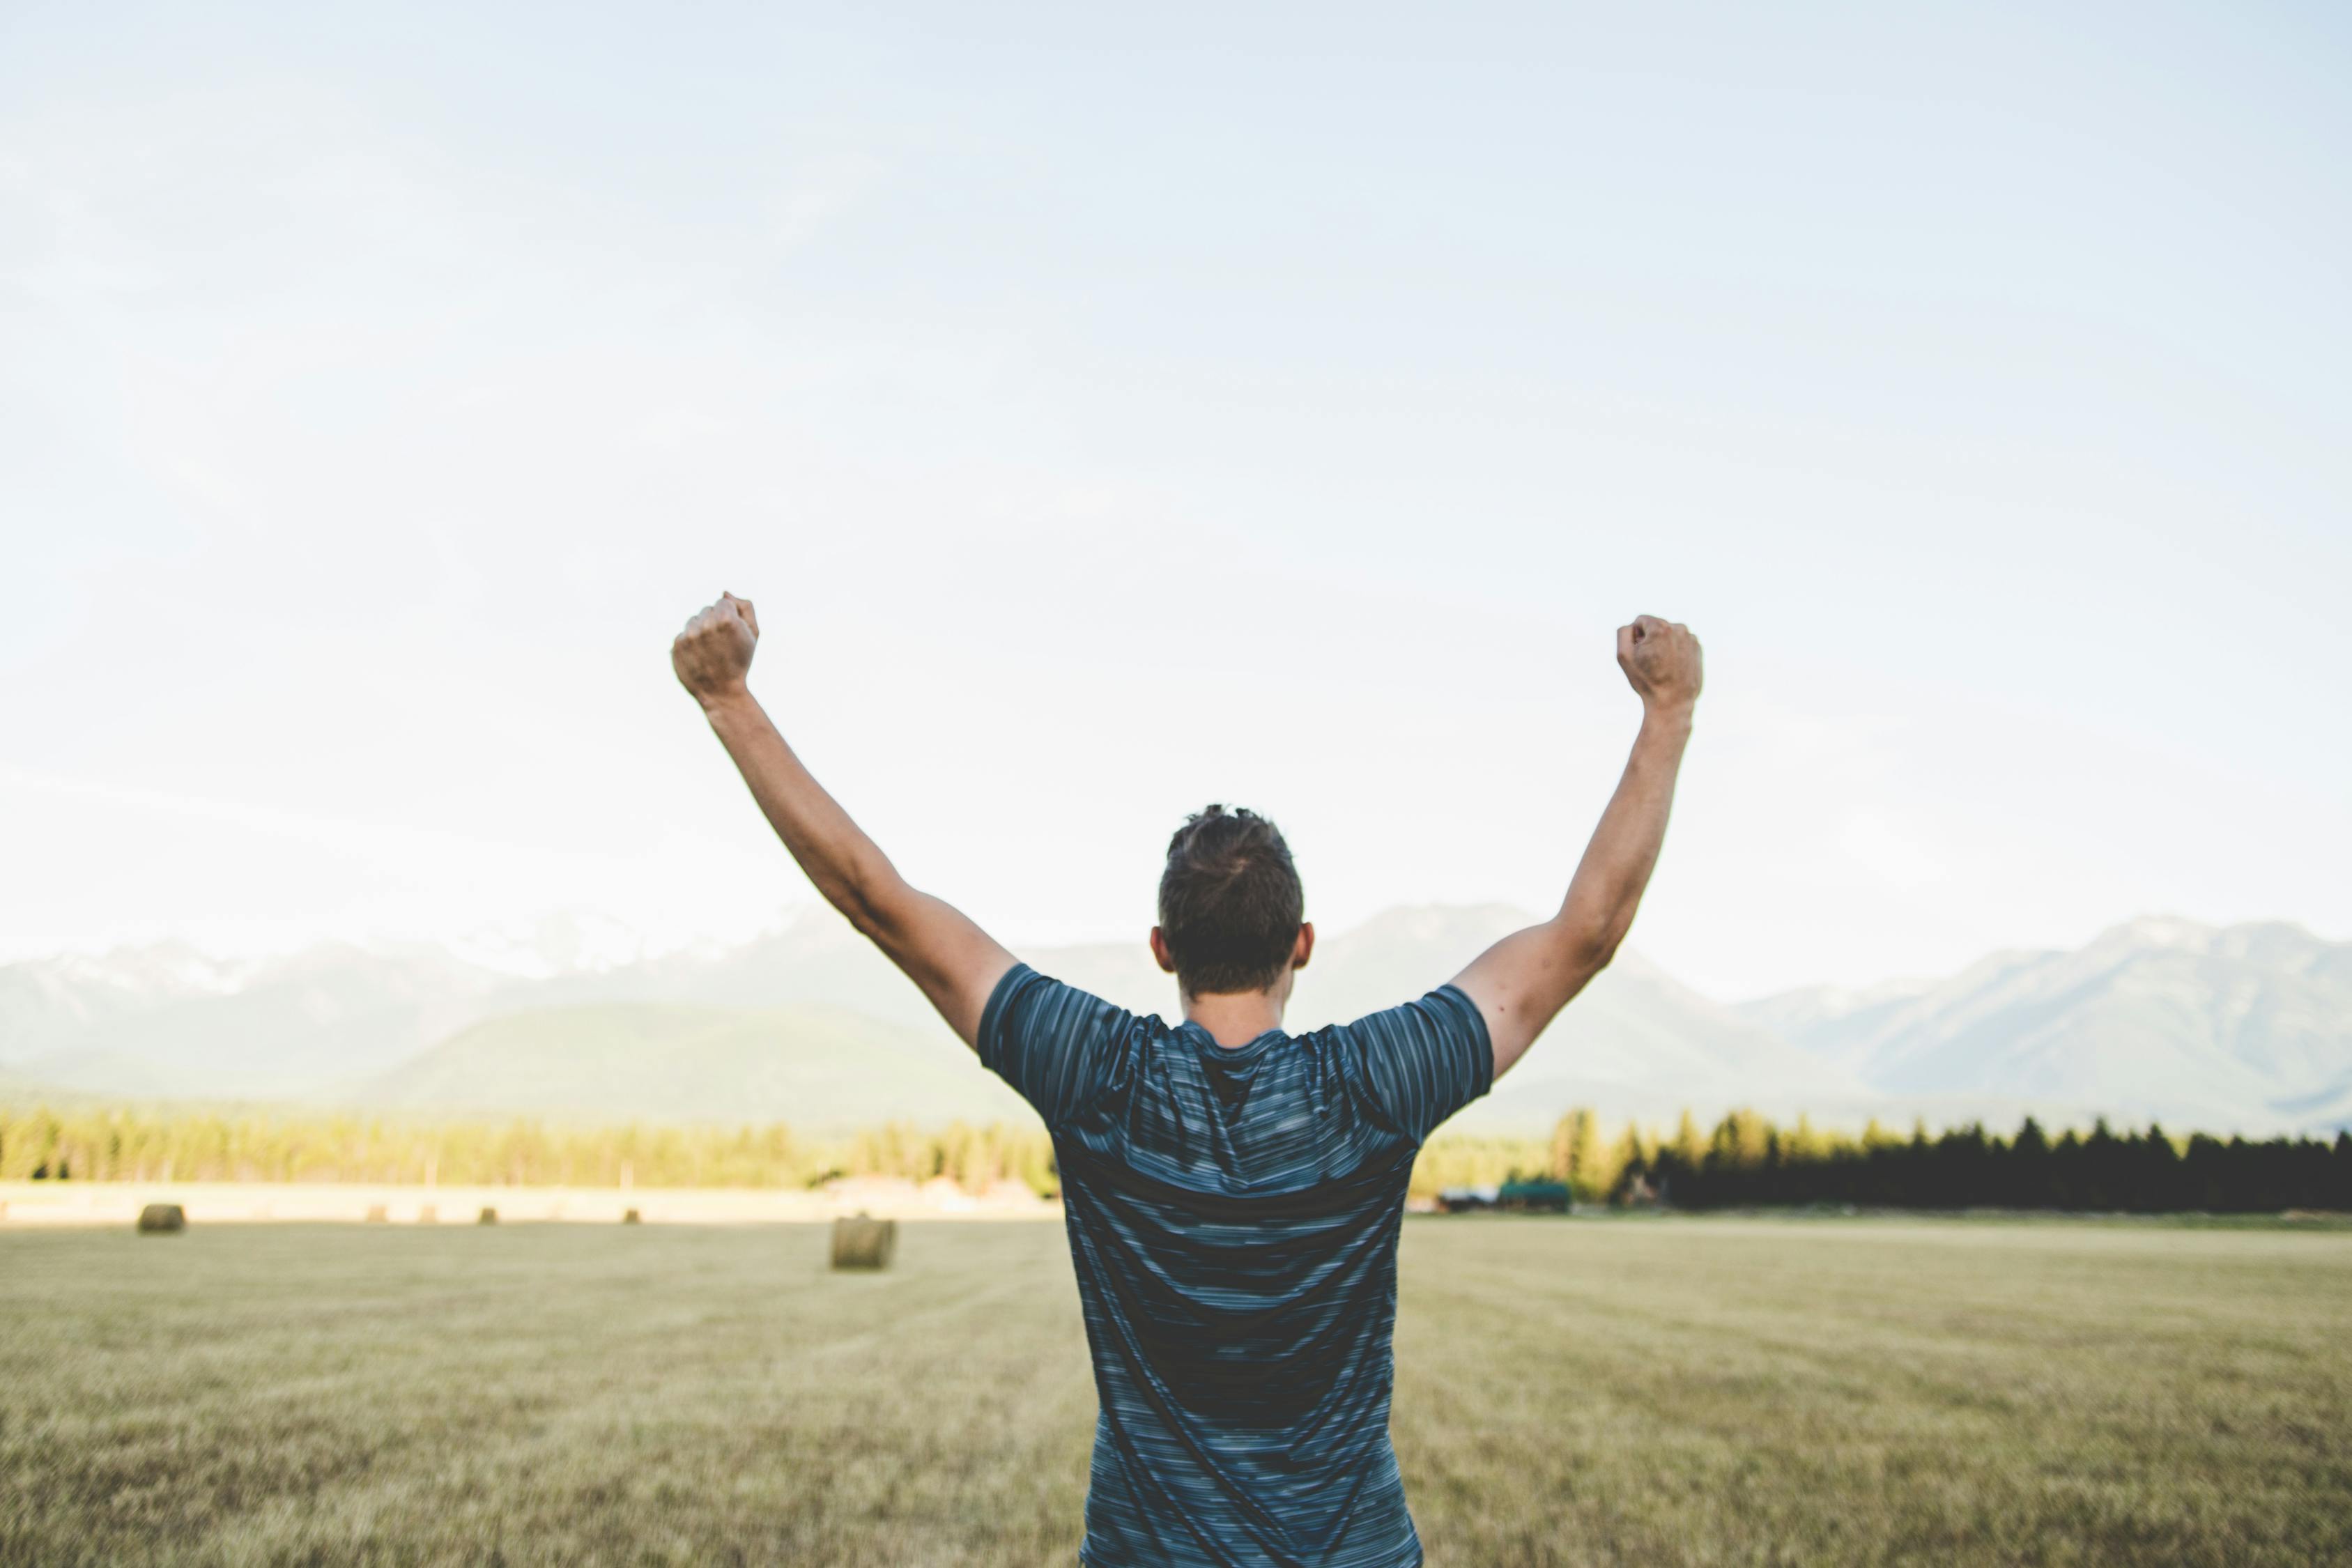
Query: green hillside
[(816, 1068)]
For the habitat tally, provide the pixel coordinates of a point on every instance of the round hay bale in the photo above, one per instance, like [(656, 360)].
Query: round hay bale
[(862, 1242), (377, 1215), (631, 1216), (162, 1219), (428, 1215), (488, 1216)]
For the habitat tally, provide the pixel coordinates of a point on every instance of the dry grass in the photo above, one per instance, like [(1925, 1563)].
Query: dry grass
[(1678, 1391)]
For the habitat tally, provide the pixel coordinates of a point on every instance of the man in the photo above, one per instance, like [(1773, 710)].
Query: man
[(1232, 1192)]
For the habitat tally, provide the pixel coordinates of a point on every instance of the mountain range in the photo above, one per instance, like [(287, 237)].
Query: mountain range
[(2240, 1028), (2245, 1026)]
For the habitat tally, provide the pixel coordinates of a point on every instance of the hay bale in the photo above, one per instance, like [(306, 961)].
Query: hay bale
[(631, 1216), (428, 1215), (488, 1216), (377, 1215), (162, 1219), (864, 1242)]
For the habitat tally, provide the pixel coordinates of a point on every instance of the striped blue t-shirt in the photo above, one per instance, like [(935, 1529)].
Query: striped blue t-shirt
[(1232, 1219)]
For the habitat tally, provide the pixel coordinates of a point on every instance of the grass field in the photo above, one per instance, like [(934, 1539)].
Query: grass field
[(1568, 1392)]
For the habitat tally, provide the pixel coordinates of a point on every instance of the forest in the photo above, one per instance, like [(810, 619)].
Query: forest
[(186, 1146), (1745, 1161)]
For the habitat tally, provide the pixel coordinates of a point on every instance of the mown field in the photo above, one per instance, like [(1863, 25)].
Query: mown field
[(1678, 1391)]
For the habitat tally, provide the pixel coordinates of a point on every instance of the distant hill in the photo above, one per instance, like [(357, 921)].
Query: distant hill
[(821, 1068), (51, 1005), (161, 1022), (2247, 1026), (1637, 1041)]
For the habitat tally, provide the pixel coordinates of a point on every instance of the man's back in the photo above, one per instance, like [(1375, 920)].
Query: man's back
[(1233, 1217)]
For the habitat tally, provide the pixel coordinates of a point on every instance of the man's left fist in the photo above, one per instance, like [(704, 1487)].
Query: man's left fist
[(713, 653)]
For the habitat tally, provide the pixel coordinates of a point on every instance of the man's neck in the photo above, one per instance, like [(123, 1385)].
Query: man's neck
[(1234, 1019)]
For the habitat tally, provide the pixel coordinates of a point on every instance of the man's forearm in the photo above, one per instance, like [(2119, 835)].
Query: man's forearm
[(1609, 880), (847, 867), (1522, 980), (955, 962)]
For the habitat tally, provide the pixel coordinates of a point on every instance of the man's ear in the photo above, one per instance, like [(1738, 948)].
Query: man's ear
[(1300, 952), (1160, 952)]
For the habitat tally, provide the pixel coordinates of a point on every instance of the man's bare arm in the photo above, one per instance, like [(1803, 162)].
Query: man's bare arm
[(1523, 979), (955, 962)]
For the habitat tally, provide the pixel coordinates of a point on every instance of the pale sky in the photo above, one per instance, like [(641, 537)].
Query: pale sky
[(1112, 417)]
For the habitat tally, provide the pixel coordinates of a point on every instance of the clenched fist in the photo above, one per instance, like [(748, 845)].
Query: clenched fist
[(1661, 659), (713, 653)]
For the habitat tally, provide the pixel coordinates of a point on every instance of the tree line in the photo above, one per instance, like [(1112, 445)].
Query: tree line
[(187, 1145), (1746, 1160)]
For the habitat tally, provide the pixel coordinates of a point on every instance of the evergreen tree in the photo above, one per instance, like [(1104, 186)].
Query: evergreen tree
[(1679, 1163), (1631, 1161), (1561, 1167), (2025, 1183), (1596, 1167)]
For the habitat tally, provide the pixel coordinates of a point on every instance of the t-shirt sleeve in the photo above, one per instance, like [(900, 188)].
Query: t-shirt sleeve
[(1418, 1064), (1062, 1048)]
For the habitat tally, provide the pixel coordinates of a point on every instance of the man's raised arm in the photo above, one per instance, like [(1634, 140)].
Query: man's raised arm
[(1522, 981), (955, 963)]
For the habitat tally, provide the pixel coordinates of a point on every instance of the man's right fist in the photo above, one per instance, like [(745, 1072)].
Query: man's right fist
[(713, 655), (1661, 659)]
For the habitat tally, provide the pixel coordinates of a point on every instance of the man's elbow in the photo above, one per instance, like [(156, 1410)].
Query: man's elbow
[(1591, 948), (861, 917), (1597, 953), (869, 914)]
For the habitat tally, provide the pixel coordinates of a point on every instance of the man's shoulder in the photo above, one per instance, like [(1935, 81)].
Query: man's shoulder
[(1033, 998)]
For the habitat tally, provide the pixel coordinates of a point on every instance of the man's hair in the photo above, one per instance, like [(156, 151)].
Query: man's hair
[(1230, 902)]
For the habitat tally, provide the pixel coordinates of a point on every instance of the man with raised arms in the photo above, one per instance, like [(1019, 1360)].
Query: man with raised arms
[(1233, 1192)]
